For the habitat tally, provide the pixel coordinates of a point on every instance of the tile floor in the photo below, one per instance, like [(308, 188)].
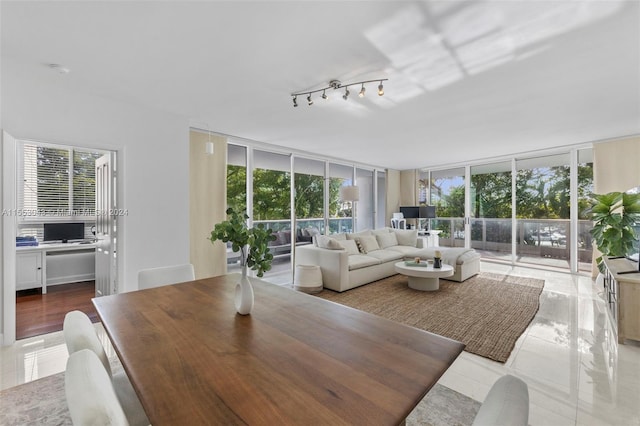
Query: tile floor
[(576, 372)]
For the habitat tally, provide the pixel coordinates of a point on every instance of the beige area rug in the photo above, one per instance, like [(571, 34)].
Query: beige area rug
[(42, 402), (487, 312)]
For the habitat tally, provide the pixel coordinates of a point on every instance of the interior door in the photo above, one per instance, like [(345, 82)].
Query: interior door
[(106, 259)]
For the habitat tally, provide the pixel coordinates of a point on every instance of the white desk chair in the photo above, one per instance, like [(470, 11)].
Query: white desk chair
[(79, 334), (398, 221), (507, 403), (157, 277), (90, 394)]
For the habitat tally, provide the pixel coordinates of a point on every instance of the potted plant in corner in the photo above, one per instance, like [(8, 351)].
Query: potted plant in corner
[(253, 245), (614, 215)]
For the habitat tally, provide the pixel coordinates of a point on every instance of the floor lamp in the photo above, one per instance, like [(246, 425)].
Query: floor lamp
[(351, 193)]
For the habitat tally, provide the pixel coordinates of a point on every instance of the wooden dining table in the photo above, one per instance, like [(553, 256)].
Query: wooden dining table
[(296, 359)]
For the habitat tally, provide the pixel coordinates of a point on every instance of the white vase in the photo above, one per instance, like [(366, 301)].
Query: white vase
[(244, 294)]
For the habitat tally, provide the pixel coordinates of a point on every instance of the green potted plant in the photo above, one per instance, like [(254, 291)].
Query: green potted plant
[(614, 215), (253, 245)]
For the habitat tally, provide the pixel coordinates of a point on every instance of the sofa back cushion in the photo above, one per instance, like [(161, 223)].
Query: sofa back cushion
[(350, 246), (357, 235), (368, 244), (406, 237), (327, 243), (387, 240)]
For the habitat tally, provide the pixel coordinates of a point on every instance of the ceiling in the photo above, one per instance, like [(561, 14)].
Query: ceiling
[(467, 80)]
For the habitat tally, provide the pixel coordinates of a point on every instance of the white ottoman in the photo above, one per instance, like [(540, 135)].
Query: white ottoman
[(307, 278)]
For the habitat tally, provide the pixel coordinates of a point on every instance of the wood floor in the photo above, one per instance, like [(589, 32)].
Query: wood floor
[(38, 313)]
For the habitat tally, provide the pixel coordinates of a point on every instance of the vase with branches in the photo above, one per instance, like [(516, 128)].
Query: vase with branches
[(253, 245)]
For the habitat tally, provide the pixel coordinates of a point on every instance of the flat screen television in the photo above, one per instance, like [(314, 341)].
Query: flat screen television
[(64, 231), (412, 212)]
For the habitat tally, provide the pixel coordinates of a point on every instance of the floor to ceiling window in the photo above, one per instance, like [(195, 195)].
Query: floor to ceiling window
[(308, 181), (381, 199), (447, 188), (365, 205), (491, 209), (543, 209), (547, 189), (272, 202), (340, 212), (236, 190)]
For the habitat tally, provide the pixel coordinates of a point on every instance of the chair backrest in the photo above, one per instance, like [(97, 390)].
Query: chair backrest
[(89, 391), (79, 334), (398, 215), (157, 277), (507, 403)]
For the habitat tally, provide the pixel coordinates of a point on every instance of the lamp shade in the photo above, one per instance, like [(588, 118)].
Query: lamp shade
[(349, 193)]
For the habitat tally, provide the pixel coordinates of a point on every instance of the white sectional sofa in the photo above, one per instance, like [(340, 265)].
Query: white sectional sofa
[(351, 260)]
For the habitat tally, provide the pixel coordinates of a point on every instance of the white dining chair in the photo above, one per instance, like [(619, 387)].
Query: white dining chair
[(507, 403), (157, 277), (79, 334), (90, 395)]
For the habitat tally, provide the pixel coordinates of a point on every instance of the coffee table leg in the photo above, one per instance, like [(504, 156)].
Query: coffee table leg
[(424, 284)]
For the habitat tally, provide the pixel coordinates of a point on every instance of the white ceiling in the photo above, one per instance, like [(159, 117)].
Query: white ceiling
[(467, 80)]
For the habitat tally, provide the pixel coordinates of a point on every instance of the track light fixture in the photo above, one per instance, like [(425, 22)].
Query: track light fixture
[(336, 84)]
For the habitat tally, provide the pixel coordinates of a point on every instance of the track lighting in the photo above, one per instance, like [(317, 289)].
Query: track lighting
[(336, 84)]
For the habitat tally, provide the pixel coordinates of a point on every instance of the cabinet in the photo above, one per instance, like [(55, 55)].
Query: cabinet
[(28, 270), (622, 294), (50, 264)]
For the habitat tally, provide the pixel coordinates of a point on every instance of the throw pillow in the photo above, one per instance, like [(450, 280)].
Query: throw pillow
[(368, 244), (407, 237), (387, 240), (350, 246), (328, 243)]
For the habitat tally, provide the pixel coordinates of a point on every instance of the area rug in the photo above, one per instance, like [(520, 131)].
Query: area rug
[(487, 312), (42, 402)]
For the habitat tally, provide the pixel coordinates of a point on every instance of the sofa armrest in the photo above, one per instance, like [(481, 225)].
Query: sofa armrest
[(334, 264)]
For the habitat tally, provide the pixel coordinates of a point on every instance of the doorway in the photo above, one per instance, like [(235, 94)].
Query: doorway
[(55, 201)]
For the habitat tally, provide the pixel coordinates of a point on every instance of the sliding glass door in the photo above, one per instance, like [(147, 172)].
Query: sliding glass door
[(447, 188), (491, 209)]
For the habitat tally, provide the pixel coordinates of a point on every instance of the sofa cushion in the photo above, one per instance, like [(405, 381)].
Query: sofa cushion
[(340, 237), (328, 243), (350, 246), (356, 235), (386, 255), (407, 237), (387, 240), (368, 244), (381, 231), (409, 251), (358, 261)]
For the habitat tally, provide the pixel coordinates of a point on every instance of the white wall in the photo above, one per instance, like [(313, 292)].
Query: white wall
[(153, 158)]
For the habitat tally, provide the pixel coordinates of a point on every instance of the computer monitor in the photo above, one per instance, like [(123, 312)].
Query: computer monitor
[(427, 212), (410, 212), (64, 232)]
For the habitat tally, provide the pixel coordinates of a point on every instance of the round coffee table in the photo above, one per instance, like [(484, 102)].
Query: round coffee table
[(424, 278)]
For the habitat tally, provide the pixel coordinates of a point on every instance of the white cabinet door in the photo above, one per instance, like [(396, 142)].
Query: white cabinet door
[(28, 270)]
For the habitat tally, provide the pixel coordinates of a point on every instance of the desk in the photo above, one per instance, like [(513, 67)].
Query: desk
[(296, 359), (50, 264)]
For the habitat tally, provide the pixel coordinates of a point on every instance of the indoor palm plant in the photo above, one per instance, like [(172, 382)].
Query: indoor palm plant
[(614, 215), (253, 245)]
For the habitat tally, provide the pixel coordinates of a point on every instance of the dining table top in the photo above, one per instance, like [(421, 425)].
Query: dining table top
[(296, 359)]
